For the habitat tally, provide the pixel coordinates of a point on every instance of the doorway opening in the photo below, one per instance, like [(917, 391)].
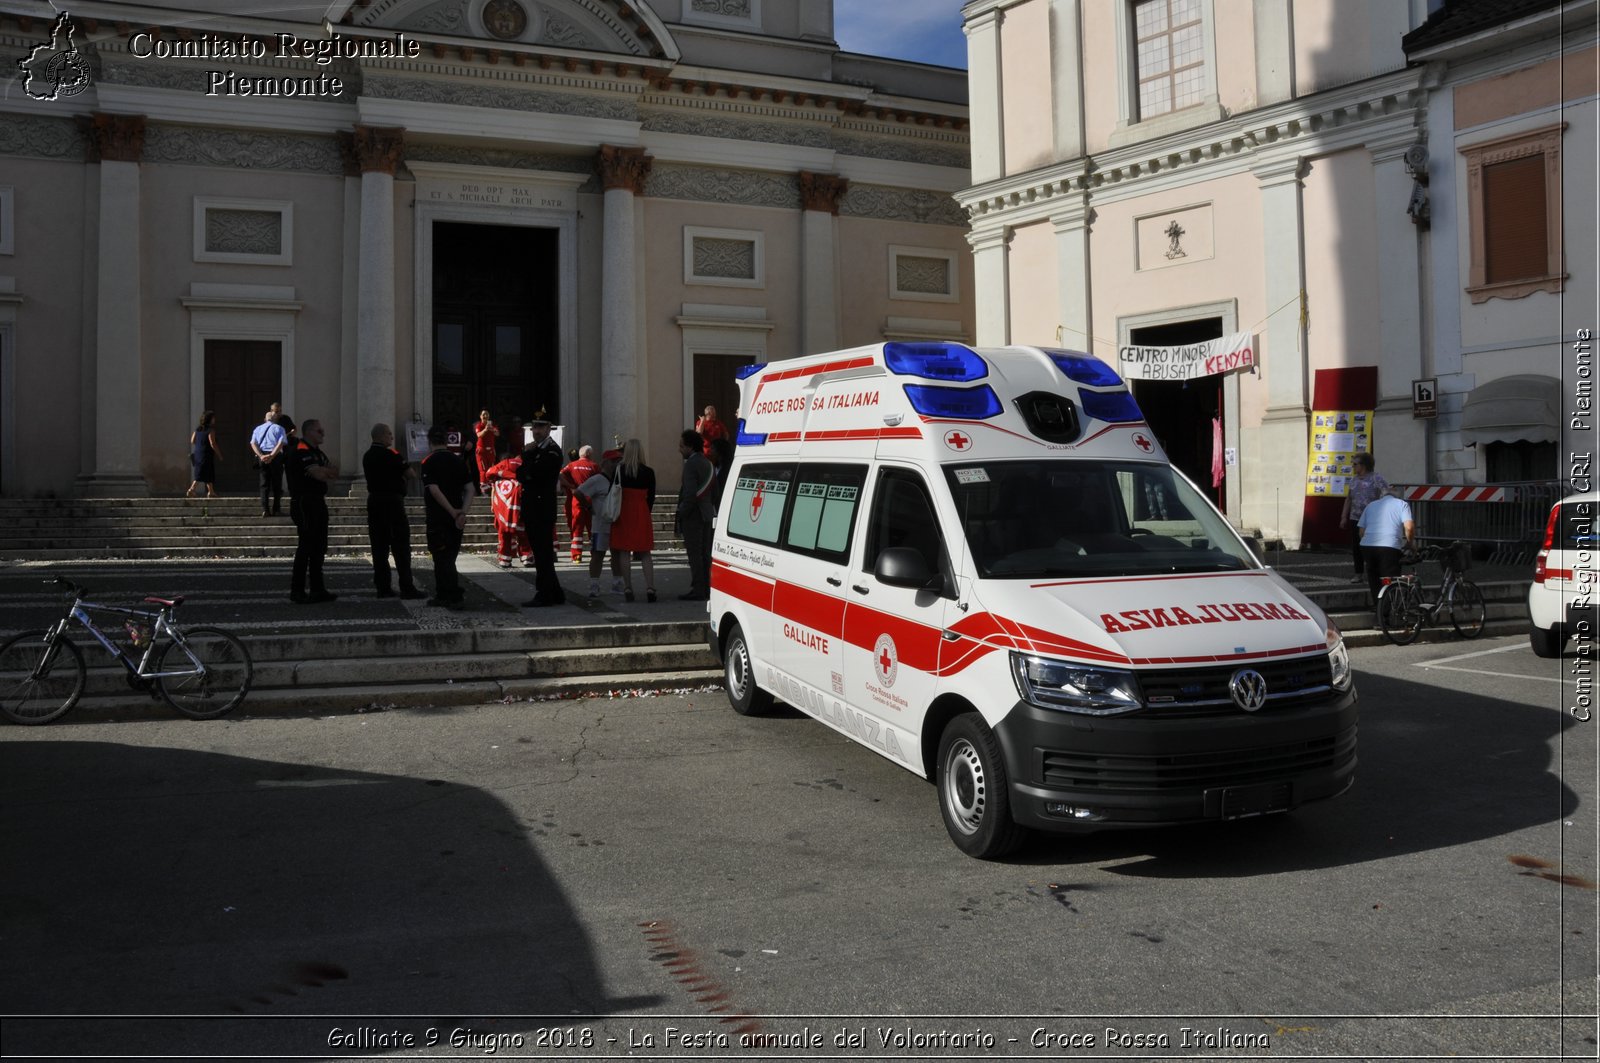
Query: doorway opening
[(1181, 412), (242, 379), (496, 333), (715, 385)]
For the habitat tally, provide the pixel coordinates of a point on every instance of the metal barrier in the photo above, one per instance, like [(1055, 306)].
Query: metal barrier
[(1509, 517)]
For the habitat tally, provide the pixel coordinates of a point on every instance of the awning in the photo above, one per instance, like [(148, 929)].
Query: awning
[(1513, 409)]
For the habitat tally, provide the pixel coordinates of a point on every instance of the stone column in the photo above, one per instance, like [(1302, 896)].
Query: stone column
[(984, 95), (116, 141), (1279, 492), (377, 152), (622, 174), (991, 284), (819, 276)]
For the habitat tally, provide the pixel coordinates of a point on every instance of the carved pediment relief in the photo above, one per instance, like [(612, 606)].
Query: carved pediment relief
[(605, 26)]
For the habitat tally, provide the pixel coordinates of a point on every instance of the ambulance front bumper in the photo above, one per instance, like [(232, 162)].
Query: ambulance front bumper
[(1080, 773)]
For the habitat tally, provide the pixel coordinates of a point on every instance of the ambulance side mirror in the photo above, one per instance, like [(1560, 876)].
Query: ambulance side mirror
[(901, 566)]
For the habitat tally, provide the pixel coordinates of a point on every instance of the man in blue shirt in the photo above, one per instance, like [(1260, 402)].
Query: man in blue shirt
[(267, 444), (1386, 532)]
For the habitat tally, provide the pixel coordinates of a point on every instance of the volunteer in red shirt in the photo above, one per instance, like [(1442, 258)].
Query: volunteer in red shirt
[(710, 430), (579, 512)]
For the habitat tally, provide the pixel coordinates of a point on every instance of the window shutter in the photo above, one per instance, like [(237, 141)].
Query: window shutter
[(1516, 232)]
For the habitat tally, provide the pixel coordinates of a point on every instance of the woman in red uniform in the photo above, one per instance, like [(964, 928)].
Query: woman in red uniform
[(488, 437)]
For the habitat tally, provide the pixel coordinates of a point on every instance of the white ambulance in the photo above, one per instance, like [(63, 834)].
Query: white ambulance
[(979, 564)]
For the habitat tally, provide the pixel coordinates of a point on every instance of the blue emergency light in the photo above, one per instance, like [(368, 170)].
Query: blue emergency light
[(936, 361), (741, 438), (967, 404), (1113, 406), (744, 372), (1085, 369)]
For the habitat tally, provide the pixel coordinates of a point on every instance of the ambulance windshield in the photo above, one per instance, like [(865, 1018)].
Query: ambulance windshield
[(1064, 519)]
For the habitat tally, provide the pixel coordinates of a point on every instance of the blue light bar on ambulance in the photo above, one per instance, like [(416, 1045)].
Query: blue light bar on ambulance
[(967, 404), (746, 371), (1111, 406), (1085, 369), (936, 361), (741, 438)]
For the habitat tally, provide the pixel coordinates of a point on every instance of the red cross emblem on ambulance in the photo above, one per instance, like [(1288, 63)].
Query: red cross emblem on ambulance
[(1142, 441), (956, 439), (756, 502), (885, 660)]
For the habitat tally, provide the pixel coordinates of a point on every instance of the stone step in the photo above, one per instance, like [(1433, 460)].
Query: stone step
[(316, 701), (601, 663)]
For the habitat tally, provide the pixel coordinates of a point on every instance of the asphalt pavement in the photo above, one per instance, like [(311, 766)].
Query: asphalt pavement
[(614, 877)]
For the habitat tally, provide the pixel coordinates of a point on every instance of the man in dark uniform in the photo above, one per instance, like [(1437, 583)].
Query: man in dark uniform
[(539, 475), (310, 472), (387, 527), (445, 500)]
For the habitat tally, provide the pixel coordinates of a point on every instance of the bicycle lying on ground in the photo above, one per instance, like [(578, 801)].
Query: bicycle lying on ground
[(1403, 609), (203, 672)]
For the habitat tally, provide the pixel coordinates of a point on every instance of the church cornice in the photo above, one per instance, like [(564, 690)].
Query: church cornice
[(1377, 109)]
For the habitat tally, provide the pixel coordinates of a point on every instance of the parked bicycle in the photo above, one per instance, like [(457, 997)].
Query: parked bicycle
[(203, 672), (1403, 606)]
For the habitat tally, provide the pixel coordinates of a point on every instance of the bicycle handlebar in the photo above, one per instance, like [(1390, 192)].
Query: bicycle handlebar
[(62, 581)]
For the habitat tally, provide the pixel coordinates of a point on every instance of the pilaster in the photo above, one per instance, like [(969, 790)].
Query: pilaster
[(984, 95), (819, 276), (1283, 436), (1274, 24), (991, 251), (1072, 277), (116, 141)]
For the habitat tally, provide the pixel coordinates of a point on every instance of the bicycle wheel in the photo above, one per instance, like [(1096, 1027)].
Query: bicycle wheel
[(40, 681), (1467, 610), (1400, 613), (219, 687)]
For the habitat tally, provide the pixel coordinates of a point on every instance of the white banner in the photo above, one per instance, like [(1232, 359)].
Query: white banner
[(1225, 355)]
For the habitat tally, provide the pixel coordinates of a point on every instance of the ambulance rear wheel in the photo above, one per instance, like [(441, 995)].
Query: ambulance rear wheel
[(974, 793), (739, 673)]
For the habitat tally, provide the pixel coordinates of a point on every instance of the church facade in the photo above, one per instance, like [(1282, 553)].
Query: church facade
[(406, 211)]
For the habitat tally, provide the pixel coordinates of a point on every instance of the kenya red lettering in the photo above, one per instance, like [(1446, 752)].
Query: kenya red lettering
[(1245, 612), (1183, 617)]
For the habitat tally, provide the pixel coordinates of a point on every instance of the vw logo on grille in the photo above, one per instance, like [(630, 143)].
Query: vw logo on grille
[(1249, 689)]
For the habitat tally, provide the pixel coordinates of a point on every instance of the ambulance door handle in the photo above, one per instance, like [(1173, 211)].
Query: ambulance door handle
[(859, 588), (835, 581)]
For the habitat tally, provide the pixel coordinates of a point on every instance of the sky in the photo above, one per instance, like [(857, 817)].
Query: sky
[(925, 31)]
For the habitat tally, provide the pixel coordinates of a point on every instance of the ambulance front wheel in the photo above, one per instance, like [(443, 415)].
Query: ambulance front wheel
[(740, 674), (974, 793)]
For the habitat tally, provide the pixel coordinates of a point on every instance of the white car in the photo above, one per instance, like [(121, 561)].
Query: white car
[(1561, 600)]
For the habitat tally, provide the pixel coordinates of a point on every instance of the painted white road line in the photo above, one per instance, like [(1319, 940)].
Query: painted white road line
[(1476, 653), (1503, 675)]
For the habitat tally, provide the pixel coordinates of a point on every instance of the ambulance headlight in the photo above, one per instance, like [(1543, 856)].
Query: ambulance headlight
[(1338, 658), (1053, 684)]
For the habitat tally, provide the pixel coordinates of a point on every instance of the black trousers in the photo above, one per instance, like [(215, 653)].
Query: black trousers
[(541, 529), (444, 545), (271, 475), (389, 531), (1355, 545), (1381, 561), (697, 543), (310, 514)]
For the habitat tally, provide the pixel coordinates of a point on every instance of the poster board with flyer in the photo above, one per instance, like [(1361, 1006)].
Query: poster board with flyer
[(1337, 436)]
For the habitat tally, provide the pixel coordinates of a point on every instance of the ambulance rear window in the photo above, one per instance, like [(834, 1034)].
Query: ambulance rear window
[(826, 498), (759, 494)]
